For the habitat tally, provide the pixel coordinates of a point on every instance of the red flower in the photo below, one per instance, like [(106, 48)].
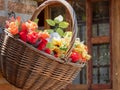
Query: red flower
[(75, 57), (32, 37), (23, 36), (47, 50), (24, 28), (56, 55), (42, 44)]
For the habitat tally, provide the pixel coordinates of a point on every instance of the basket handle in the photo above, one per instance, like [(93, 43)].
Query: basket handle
[(73, 18)]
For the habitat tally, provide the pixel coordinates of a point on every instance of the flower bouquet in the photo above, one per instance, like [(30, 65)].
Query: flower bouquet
[(53, 41), (50, 59)]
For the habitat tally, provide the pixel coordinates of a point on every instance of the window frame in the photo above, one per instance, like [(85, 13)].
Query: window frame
[(90, 40), (97, 40)]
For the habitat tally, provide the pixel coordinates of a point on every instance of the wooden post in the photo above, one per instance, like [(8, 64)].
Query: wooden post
[(115, 23)]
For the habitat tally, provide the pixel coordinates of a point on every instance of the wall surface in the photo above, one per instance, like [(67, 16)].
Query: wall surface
[(23, 8)]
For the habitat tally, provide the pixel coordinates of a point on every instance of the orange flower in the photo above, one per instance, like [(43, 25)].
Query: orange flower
[(13, 28), (44, 35), (31, 25)]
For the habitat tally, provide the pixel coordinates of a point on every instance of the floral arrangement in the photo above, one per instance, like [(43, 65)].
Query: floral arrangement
[(54, 41)]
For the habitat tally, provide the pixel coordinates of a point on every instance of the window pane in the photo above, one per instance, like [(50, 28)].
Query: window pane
[(104, 75), (100, 21), (56, 11), (101, 64), (100, 29), (80, 10), (81, 78)]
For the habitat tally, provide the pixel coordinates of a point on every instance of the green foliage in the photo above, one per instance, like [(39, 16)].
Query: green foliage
[(58, 25), (50, 22), (63, 24), (60, 31), (49, 45), (49, 31), (36, 20)]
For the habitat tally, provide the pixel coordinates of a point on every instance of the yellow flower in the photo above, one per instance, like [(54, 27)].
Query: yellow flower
[(88, 57), (58, 51), (56, 42)]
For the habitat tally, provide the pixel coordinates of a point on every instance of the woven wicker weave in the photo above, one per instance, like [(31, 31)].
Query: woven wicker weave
[(30, 69)]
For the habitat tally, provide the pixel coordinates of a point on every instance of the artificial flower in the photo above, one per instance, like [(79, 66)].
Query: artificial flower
[(47, 50), (13, 28), (42, 44), (31, 25), (43, 35), (23, 36), (32, 37), (75, 57)]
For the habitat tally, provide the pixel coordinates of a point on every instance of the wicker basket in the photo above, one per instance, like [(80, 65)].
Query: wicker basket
[(30, 69)]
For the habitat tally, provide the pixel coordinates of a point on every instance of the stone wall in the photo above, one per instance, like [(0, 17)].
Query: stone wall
[(23, 8)]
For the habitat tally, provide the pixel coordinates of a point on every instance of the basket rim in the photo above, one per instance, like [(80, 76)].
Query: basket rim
[(80, 64)]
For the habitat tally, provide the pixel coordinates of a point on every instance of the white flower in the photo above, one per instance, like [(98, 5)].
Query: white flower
[(54, 35), (59, 18)]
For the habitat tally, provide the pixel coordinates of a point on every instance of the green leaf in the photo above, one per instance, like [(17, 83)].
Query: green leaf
[(56, 21), (36, 20), (63, 24), (49, 31), (67, 34), (50, 22), (60, 31), (49, 45), (63, 48)]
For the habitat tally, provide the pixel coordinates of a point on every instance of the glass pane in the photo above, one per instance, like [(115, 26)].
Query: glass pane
[(80, 10), (100, 9), (100, 29), (104, 75), (81, 78), (100, 15), (104, 58), (101, 63), (95, 75), (104, 29), (82, 32)]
